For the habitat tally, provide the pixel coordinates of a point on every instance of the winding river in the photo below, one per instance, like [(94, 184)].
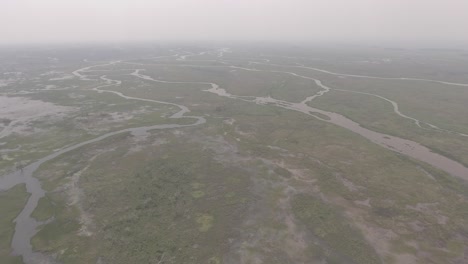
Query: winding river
[(403, 146), (26, 227)]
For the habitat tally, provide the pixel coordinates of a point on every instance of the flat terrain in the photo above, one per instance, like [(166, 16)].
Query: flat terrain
[(198, 154)]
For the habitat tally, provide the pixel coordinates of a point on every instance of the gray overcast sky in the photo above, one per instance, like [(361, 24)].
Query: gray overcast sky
[(393, 22)]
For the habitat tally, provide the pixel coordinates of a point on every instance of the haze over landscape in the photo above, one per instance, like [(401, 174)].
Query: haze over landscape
[(427, 23), (233, 131)]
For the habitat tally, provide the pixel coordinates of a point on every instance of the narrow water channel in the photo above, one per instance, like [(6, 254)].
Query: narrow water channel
[(25, 225)]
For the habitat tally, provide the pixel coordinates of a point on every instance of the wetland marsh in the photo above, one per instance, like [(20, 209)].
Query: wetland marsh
[(200, 154)]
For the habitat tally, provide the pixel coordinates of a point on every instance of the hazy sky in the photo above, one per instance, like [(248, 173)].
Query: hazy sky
[(424, 22)]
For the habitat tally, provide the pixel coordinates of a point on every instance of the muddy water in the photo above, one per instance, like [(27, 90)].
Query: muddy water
[(403, 146), (26, 226)]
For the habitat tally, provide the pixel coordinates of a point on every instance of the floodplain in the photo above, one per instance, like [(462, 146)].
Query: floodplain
[(246, 154)]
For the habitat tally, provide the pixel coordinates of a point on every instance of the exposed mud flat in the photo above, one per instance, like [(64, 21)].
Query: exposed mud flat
[(99, 122), (18, 112)]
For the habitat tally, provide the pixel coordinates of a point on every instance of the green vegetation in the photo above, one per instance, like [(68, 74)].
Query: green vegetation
[(205, 222), (255, 183), (328, 225), (44, 209), (147, 208)]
